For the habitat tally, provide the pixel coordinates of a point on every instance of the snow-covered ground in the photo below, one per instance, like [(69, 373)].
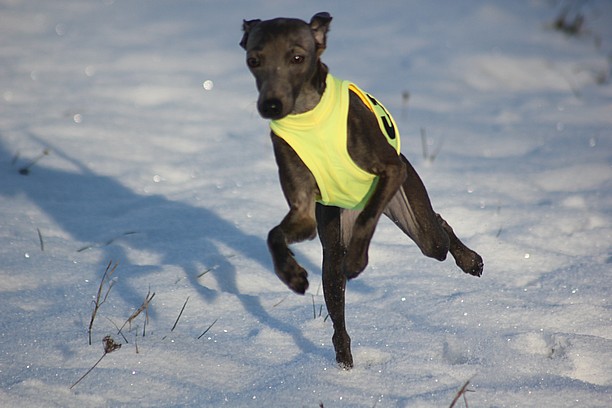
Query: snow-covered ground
[(157, 160)]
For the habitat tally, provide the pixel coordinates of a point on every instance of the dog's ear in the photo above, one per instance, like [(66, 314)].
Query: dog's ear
[(319, 24), (247, 26)]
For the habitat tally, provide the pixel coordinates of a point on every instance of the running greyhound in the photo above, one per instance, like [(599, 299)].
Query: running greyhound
[(338, 154)]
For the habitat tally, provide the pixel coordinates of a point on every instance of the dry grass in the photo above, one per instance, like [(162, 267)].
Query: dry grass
[(99, 300), (109, 346)]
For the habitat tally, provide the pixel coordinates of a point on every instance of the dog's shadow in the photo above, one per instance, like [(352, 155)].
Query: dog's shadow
[(180, 235)]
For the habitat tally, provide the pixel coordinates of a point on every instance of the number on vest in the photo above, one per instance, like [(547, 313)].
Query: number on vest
[(389, 128)]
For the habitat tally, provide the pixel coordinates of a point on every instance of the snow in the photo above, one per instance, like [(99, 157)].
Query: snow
[(159, 162)]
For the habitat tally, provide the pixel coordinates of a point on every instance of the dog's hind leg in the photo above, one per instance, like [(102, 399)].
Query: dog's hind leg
[(410, 209), (334, 227)]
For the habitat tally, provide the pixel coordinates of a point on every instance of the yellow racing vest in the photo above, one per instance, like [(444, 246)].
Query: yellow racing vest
[(319, 137)]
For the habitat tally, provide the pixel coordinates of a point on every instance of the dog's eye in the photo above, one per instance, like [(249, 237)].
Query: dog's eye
[(253, 62), (297, 59)]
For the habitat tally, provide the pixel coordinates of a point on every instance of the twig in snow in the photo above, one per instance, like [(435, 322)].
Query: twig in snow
[(461, 393), (107, 243), (430, 157), (405, 99), (40, 238), (499, 231), (204, 273), (25, 170), (99, 301), (212, 268), (209, 327), (180, 314), (424, 143), (314, 309), (571, 22), (109, 347), (136, 341), (563, 24), (144, 307), (15, 158), (146, 321), (117, 327), (280, 301)]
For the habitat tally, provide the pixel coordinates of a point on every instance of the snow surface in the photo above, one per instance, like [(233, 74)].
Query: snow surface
[(158, 161)]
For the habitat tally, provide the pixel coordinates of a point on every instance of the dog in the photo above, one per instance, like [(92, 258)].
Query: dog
[(340, 168)]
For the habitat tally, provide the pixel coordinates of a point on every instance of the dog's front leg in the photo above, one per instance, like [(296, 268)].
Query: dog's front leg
[(291, 229), (300, 190), (332, 232)]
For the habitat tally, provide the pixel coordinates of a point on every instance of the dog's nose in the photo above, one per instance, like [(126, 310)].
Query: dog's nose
[(271, 108)]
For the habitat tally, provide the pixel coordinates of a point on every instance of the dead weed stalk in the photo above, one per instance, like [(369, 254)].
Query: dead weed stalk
[(109, 346), (99, 301)]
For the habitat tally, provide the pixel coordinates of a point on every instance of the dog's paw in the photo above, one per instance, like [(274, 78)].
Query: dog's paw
[(345, 363), (294, 276), (470, 263), (299, 283), (342, 346)]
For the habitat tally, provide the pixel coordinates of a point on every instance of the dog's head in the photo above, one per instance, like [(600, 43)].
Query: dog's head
[(283, 55)]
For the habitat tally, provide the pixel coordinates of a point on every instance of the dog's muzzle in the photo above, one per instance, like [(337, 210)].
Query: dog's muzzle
[(271, 108)]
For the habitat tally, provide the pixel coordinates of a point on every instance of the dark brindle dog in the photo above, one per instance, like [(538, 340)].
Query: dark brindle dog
[(284, 56)]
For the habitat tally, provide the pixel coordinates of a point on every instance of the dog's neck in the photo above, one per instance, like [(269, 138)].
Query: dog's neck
[(311, 91)]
